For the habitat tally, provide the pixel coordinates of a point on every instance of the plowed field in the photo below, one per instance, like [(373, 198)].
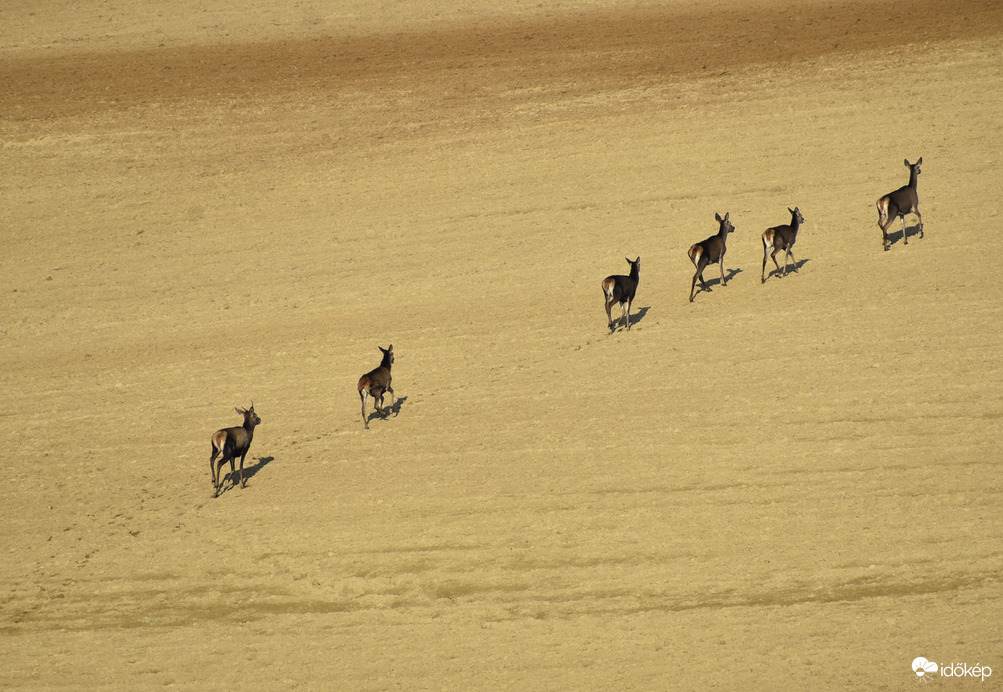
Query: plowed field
[(789, 485)]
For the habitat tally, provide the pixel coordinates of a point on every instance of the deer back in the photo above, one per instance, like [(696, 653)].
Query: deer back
[(379, 378), (906, 198), (234, 440), (623, 288), (239, 438), (785, 236), (714, 247), (620, 288)]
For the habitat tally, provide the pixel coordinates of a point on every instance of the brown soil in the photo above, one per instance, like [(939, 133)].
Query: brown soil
[(783, 486)]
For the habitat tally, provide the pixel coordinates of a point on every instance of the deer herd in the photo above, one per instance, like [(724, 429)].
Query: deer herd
[(230, 443)]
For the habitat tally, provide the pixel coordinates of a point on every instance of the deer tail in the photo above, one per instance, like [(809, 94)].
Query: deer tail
[(882, 209), (768, 237), (607, 289), (694, 252)]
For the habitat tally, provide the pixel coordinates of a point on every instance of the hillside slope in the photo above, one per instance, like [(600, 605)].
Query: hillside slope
[(746, 489)]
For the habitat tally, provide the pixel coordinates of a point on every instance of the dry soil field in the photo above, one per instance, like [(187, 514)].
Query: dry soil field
[(793, 485)]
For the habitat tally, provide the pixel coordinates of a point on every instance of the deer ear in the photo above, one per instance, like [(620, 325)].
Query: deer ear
[(920, 161), (726, 215), (907, 162), (239, 410), (390, 348), (792, 210), (718, 216)]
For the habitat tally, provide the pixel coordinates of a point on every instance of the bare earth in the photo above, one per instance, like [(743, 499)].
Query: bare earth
[(793, 485)]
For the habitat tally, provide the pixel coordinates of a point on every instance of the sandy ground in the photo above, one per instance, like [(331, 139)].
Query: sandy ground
[(783, 486)]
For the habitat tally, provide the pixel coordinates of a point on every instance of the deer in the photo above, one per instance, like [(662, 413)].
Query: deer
[(897, 204), (710, 251), (228, 444), (375, 383), (621, 289), (782, 238)]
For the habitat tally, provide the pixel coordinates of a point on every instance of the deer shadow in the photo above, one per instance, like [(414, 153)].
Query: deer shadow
[(779, 274), (717, 280), (249, 473), (618, 325), (398, 402), (394, 409), (904, 234)]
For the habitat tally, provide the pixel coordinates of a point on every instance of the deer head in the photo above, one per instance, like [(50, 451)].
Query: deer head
[(725, 222)]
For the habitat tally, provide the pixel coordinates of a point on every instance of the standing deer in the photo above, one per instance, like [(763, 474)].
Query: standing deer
[(375, 382), (782, 238), (231, 443), (621, 289), (710, 251), (903, 201)]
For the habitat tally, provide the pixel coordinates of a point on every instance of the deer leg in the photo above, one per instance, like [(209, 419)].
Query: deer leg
[(220, 479), (392, 397), (905, 232), (693, 286), (699, 275), (920, 217), (773, 256), (609, 313), (363, 393), (884, 235), (780, 272), (242, 469), (625, 310), (212, 465), (883, 223), (703, 265), (724, 281), (794, 262), (766, 250)]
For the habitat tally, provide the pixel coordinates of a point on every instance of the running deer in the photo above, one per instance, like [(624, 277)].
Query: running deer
[(710, 251), (903, 201), (231, 443), (375, 382), (782, 238), (621, 289)]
